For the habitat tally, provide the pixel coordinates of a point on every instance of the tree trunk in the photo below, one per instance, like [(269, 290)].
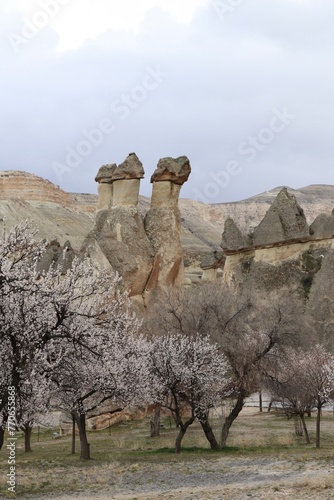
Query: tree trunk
[(155, 423), (231, 417), (183, 430), (307, 437), (209, 434), (2, 429), (27, 429), (260, 401), (317, 432), (179, 439), (73, 436), (80, 419), (299, 431)]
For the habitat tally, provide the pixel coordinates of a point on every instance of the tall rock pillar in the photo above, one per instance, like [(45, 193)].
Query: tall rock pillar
[(119, 229), (105, 186), (163, 224)]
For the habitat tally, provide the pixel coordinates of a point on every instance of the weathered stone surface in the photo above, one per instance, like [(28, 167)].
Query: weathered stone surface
[(56, 255), (163, 224), (126, 192), (131, 168), (232, 238), (105, 192), (164, 194), (66, 257), (323, 226), (213, 260), (105, 173), (50, 257), (120, 235), (320, 302), (285, 220), (175, 170)]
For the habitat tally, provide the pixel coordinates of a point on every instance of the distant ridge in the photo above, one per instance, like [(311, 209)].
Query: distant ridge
[(70, 215)]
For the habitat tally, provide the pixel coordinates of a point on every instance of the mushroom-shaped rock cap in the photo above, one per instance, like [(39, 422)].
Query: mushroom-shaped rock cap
[(105, 173), (285, 220), (232, 237), (213, 260), (176, 170), (131, 168)]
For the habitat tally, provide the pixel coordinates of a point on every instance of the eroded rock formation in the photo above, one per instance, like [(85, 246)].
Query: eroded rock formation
[(232, 237), (147, 254), (285, 220), (163, 224)]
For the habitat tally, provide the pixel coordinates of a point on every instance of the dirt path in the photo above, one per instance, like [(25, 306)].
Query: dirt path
[(216, 479)]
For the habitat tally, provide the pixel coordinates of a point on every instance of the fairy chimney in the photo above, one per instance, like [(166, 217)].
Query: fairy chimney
[(105, 186), (163, 224), (126, 182)]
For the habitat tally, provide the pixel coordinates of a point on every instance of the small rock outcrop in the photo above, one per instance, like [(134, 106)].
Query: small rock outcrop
[(285, 220), (213, 260), (57, 256), (323, 226)]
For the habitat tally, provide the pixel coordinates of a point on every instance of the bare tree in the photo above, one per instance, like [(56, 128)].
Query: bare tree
[(249, 331), (302, 380)]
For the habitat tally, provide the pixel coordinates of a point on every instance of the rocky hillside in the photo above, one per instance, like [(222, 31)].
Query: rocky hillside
[(70, 216)]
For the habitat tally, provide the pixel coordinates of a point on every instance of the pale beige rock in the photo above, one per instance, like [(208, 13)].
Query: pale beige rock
[(105, 199), (126, 193), (165, 194), (209, 274)]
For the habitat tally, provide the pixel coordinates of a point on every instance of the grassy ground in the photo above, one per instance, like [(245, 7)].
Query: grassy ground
[(128, 448)]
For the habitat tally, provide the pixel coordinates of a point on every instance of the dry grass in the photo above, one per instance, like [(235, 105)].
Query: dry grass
[(129, 451)]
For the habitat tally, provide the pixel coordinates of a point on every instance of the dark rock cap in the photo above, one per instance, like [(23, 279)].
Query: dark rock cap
[(131, 168), (105, 173), (323, 226), (285, 220), (175, 170), (232, 238), (213, 260)]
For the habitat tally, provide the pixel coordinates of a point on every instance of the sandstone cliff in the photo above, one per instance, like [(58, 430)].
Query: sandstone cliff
[(70, 216)]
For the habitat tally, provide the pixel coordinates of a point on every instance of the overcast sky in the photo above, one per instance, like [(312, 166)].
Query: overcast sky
[(244, 88)]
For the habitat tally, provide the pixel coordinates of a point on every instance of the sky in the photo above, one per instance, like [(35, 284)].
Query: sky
[(243, 88)]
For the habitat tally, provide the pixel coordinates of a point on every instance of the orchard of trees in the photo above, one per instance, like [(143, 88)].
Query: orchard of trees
[(70, 342)]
